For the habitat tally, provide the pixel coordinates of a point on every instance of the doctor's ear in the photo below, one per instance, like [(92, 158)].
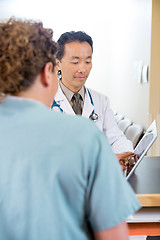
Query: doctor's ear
[(58, 63), (59, 73)]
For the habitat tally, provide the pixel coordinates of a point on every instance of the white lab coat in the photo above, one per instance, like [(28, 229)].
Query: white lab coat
[(106, 121)]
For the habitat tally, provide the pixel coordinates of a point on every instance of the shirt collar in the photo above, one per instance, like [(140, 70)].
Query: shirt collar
[(69, 94)]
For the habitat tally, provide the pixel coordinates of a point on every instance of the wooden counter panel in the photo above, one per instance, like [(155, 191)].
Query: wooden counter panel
[(149, 200)]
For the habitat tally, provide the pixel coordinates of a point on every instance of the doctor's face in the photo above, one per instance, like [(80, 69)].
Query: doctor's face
[(75, 65)]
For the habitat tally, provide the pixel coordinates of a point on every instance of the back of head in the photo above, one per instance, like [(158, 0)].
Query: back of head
[(25, 48), (72, 36)]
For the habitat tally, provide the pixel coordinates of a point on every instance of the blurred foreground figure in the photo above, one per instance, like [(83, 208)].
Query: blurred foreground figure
[(53, 184)]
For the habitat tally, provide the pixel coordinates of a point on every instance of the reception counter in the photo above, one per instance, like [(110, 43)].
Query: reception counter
[(145, 181)]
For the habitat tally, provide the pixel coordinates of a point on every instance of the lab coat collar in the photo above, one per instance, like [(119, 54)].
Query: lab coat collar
[(88, 107), (61, 99)]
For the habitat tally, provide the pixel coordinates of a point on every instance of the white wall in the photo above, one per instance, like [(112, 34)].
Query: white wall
[(126, 40), (121, 31)]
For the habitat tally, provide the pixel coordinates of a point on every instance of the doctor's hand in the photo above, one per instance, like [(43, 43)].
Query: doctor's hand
[(127, 160)]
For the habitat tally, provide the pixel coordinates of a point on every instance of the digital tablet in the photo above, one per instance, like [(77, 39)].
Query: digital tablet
[(144, 145)]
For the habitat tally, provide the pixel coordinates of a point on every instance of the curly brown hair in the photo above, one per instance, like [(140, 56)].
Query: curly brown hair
[(25, 48)]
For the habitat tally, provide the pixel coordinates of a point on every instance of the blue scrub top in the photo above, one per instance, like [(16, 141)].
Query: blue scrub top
[(58, 174)]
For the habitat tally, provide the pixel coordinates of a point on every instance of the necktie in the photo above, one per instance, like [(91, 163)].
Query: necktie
[(76, 101)]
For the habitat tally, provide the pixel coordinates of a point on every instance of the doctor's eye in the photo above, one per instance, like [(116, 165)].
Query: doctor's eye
[(75, 62)]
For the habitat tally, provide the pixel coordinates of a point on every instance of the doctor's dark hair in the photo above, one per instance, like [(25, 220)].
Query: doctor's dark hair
[(69, 37), (25, 48)]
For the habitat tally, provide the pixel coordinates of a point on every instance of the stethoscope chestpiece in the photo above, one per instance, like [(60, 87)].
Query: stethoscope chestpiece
[(94, 116)]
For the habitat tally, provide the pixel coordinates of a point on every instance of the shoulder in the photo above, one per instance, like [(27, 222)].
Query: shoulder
[(101, 102), (96, 93), (98, 96)]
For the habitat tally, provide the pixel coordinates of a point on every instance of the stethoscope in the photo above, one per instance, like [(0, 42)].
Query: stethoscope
[(93, 116)]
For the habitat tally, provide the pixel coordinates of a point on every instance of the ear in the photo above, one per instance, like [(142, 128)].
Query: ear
[(46, 74), (58, 64)]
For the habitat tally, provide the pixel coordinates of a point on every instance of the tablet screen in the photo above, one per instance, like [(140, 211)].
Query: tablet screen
[(144, 145)]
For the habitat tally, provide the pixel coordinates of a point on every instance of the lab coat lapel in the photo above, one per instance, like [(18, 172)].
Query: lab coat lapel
[(88, 107), (61, 99)]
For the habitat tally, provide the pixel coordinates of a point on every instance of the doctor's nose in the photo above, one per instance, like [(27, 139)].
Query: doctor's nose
[(82, 68)]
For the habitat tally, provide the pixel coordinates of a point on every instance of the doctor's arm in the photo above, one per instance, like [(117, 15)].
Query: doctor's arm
[(119, 232), (117, 139)]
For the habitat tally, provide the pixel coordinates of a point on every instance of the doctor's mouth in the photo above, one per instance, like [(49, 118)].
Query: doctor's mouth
[(81, 77)]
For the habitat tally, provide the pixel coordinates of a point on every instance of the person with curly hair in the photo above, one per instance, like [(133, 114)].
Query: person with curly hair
[(26, 51), (53, 184)]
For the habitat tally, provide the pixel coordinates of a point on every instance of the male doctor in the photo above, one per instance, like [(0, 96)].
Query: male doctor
[(74, 63)]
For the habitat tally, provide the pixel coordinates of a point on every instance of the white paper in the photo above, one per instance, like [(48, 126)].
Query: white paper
[(138, 237), (146, 214)]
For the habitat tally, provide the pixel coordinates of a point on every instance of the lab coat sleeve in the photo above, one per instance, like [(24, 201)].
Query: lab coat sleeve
[(116, 137), (108, 125)]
